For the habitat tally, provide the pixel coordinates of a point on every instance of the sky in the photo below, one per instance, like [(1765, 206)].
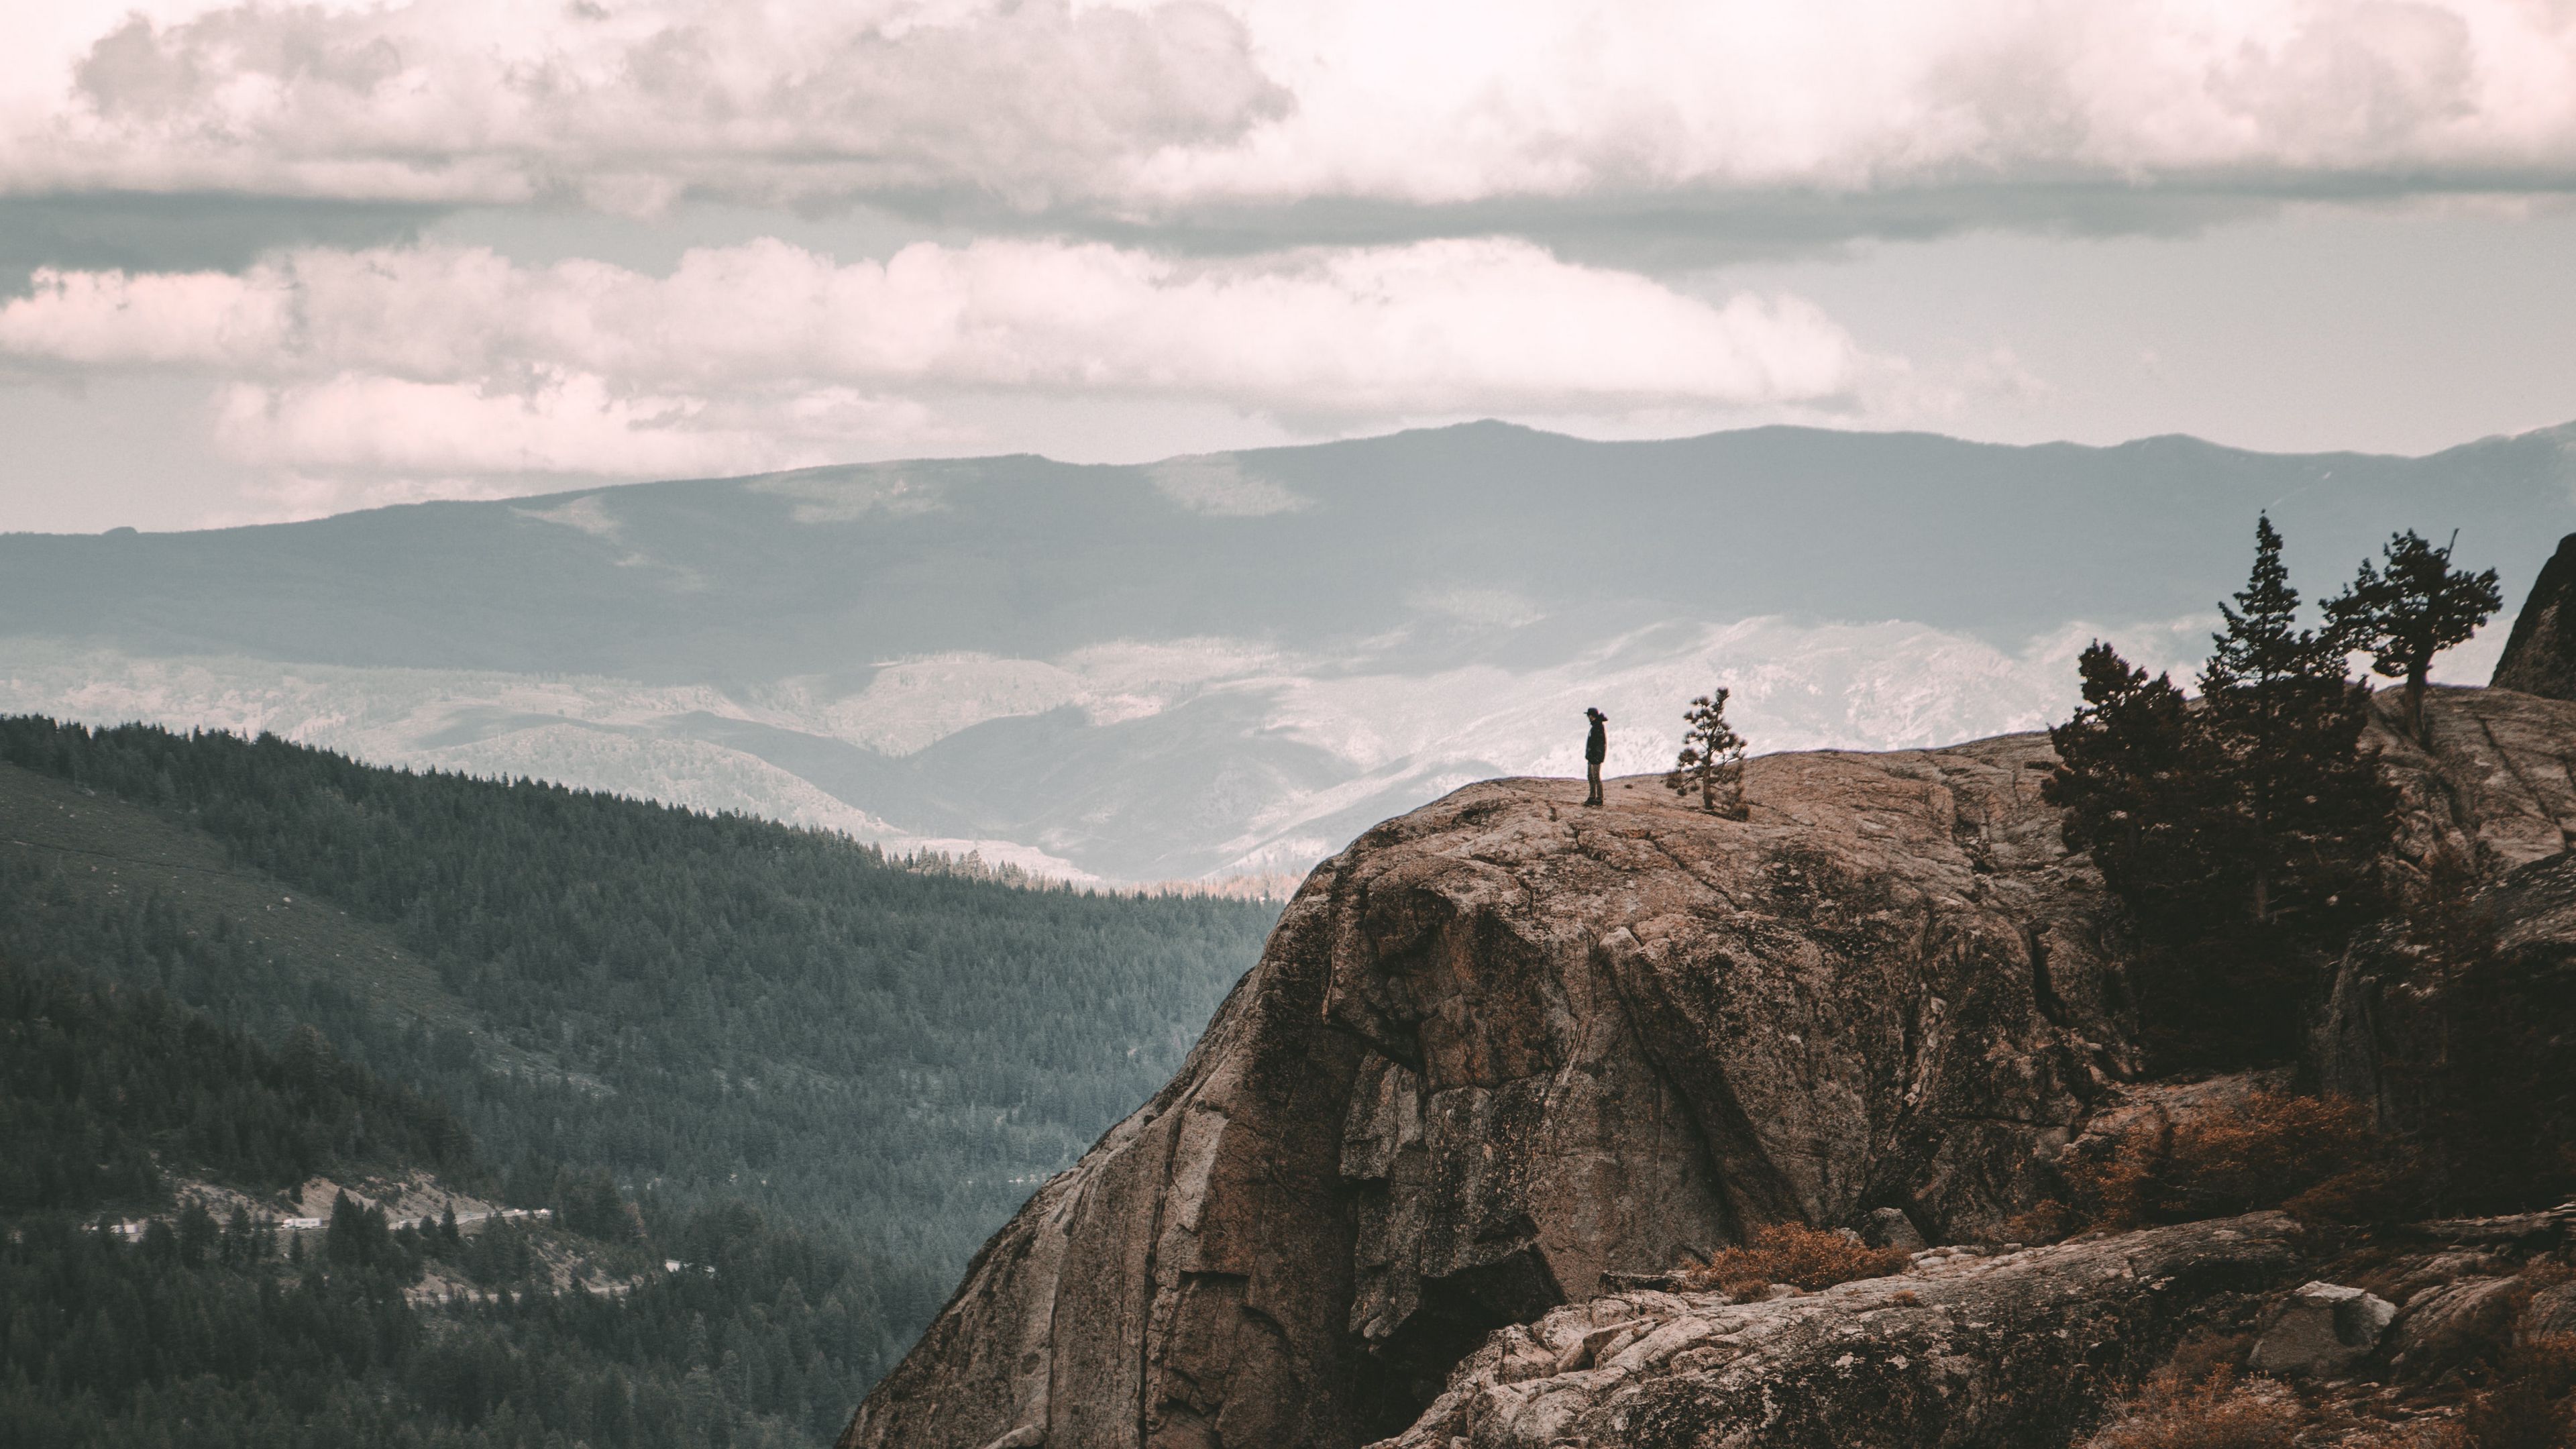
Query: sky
[(267, 261)]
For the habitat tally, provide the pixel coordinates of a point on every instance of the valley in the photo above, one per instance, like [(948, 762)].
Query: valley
[(724, 1034)]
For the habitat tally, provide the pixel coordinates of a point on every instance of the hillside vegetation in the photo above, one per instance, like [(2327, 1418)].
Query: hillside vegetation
[(760, 1035), (225, 1330)]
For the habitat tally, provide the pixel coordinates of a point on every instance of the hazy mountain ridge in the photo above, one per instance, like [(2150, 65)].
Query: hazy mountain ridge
[(1217, 663)]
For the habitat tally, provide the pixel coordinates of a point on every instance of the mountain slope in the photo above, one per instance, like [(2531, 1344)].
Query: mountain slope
[(226, 1314), (1211, 663), (713, 1010)]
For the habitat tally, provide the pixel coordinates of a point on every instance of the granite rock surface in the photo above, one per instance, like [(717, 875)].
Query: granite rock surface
[(1508, 1053)]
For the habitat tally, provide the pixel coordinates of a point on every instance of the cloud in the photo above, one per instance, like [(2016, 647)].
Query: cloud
[(208, 319), (766, 355), (563, 423), (1140, 111), (626, 106)]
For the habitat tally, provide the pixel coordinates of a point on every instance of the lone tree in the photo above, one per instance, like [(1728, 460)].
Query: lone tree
[(1712, 757), (2302, 814), (2414, 609)]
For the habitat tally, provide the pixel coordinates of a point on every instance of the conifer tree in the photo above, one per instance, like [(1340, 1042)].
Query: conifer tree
[(2414, 609), (2301, 814), (2131, 777), (1711, 759), (2242, 833)]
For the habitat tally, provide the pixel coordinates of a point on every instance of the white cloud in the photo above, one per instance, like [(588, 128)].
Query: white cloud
[(766, 355), (204, 319), (1128, 109), (561, 423), (623, 105)]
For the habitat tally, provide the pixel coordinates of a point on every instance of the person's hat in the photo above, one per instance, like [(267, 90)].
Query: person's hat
[(1594, 713)]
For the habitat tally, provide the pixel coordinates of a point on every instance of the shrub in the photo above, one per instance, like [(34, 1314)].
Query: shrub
[(2046, 1221), (2215, 1412), (2318, 1157), (2529, 1405), (1795, 1254)]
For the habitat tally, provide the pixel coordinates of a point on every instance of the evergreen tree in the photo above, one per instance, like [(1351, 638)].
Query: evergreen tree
[(2301, 815), (1711, 759), (2131, 775), (2414, 609), (2242, 834)]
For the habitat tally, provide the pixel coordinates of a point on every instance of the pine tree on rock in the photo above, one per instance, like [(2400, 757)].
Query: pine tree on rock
[(2414, 609), (2133, 776), (2304, 814), (2242, 833), (1711, 759)]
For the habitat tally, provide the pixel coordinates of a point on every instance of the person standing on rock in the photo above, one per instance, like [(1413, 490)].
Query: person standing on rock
[(1596, 748)]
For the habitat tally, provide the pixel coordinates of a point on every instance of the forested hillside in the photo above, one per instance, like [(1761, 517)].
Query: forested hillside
[(208, 1330), (104, 1086), (760, 1035)]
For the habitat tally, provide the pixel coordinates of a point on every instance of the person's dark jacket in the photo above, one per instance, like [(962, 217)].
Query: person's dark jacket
[(1596, 746)]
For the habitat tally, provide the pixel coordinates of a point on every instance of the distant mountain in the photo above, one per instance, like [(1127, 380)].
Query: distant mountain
[(1221, 663)]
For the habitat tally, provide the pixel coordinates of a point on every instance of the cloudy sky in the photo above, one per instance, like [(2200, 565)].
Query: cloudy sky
[(264, 261)]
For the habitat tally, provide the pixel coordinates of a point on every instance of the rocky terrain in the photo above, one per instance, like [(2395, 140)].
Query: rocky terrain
[(2540, 655), (1965, 1349), (1506, 1059)]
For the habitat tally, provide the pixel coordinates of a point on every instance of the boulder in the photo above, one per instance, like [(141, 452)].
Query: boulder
[(1507, 1052), (2402, 1279), (2324, 1330), (2552, 1311), (2021, 1348), (2540, 654), (1889, 1227), (2455, 1325)]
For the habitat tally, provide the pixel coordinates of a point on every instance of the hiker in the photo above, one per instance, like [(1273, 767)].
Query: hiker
[(1596, 748)]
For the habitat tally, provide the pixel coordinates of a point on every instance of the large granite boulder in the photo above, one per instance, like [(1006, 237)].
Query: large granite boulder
[(2540, 655), (1508, 1053), (2025, 1348)]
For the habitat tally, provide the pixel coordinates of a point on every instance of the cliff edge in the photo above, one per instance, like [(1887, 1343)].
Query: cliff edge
[(2540, 654), (1507, 1053)]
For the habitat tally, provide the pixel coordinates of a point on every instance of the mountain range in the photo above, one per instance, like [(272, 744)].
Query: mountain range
[(1221, 664)]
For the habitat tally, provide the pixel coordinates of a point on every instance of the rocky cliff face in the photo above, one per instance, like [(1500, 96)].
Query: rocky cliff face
[(1508, 1053), (2540, 655)]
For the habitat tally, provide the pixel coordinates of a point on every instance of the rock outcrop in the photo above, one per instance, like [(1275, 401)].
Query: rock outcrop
[(1507, 1053), (2540, 655), (2024, 1348)]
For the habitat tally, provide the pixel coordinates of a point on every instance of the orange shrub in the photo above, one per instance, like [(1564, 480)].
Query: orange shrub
[(2532, 1403), (2047, 1221), (2218, 1412), (2317, 1157), (1796, 1254)]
